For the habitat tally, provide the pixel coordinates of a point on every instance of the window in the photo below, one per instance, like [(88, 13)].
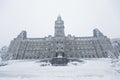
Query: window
[(48, 56), (26, 57), (89, 56), (71, 56), (81, 56), (85, 56), (48, 49), (93, 56)]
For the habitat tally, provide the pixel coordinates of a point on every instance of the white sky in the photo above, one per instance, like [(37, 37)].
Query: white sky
[(37, 17)]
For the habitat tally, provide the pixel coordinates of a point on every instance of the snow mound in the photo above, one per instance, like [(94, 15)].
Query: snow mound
[(94, 69)]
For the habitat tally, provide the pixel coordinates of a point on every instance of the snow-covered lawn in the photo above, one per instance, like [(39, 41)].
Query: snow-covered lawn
[(94, 69)]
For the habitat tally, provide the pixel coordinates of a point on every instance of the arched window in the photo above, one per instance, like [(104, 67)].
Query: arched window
[(81, 56), (37, 57), (85, 56), (89, 56), (93, 56), (71, 56), (48, 56), (26, 57)]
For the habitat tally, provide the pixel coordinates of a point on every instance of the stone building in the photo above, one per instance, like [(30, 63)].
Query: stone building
[(96, 46)]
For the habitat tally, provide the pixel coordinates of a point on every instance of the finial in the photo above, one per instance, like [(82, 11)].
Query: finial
[(59, 17)]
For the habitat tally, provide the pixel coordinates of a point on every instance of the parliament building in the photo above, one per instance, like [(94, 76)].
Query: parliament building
[(96, 46)]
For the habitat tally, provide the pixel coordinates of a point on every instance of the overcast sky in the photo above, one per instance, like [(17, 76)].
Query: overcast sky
[(37, 17)]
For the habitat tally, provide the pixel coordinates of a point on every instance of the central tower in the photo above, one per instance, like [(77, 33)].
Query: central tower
[(59, 57), (59, 27), (59, 38)]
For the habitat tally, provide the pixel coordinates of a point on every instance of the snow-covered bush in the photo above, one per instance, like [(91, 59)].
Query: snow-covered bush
[(2, 63), (74, 63), (44, 64), (4, 54)]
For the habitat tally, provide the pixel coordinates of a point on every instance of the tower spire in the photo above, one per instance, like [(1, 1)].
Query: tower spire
[(59, 17)]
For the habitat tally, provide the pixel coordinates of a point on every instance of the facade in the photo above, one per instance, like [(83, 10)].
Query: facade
[(116, 46), (96, 46)]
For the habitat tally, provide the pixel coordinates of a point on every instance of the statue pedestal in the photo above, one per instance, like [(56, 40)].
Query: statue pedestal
[(59, 61)]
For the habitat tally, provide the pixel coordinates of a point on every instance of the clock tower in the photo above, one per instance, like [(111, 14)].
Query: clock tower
[(59, 27)]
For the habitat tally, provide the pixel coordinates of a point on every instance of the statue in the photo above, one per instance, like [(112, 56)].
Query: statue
[(60, 59)]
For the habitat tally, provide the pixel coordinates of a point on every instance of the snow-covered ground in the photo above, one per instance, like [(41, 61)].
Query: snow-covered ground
[(93, 69)]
